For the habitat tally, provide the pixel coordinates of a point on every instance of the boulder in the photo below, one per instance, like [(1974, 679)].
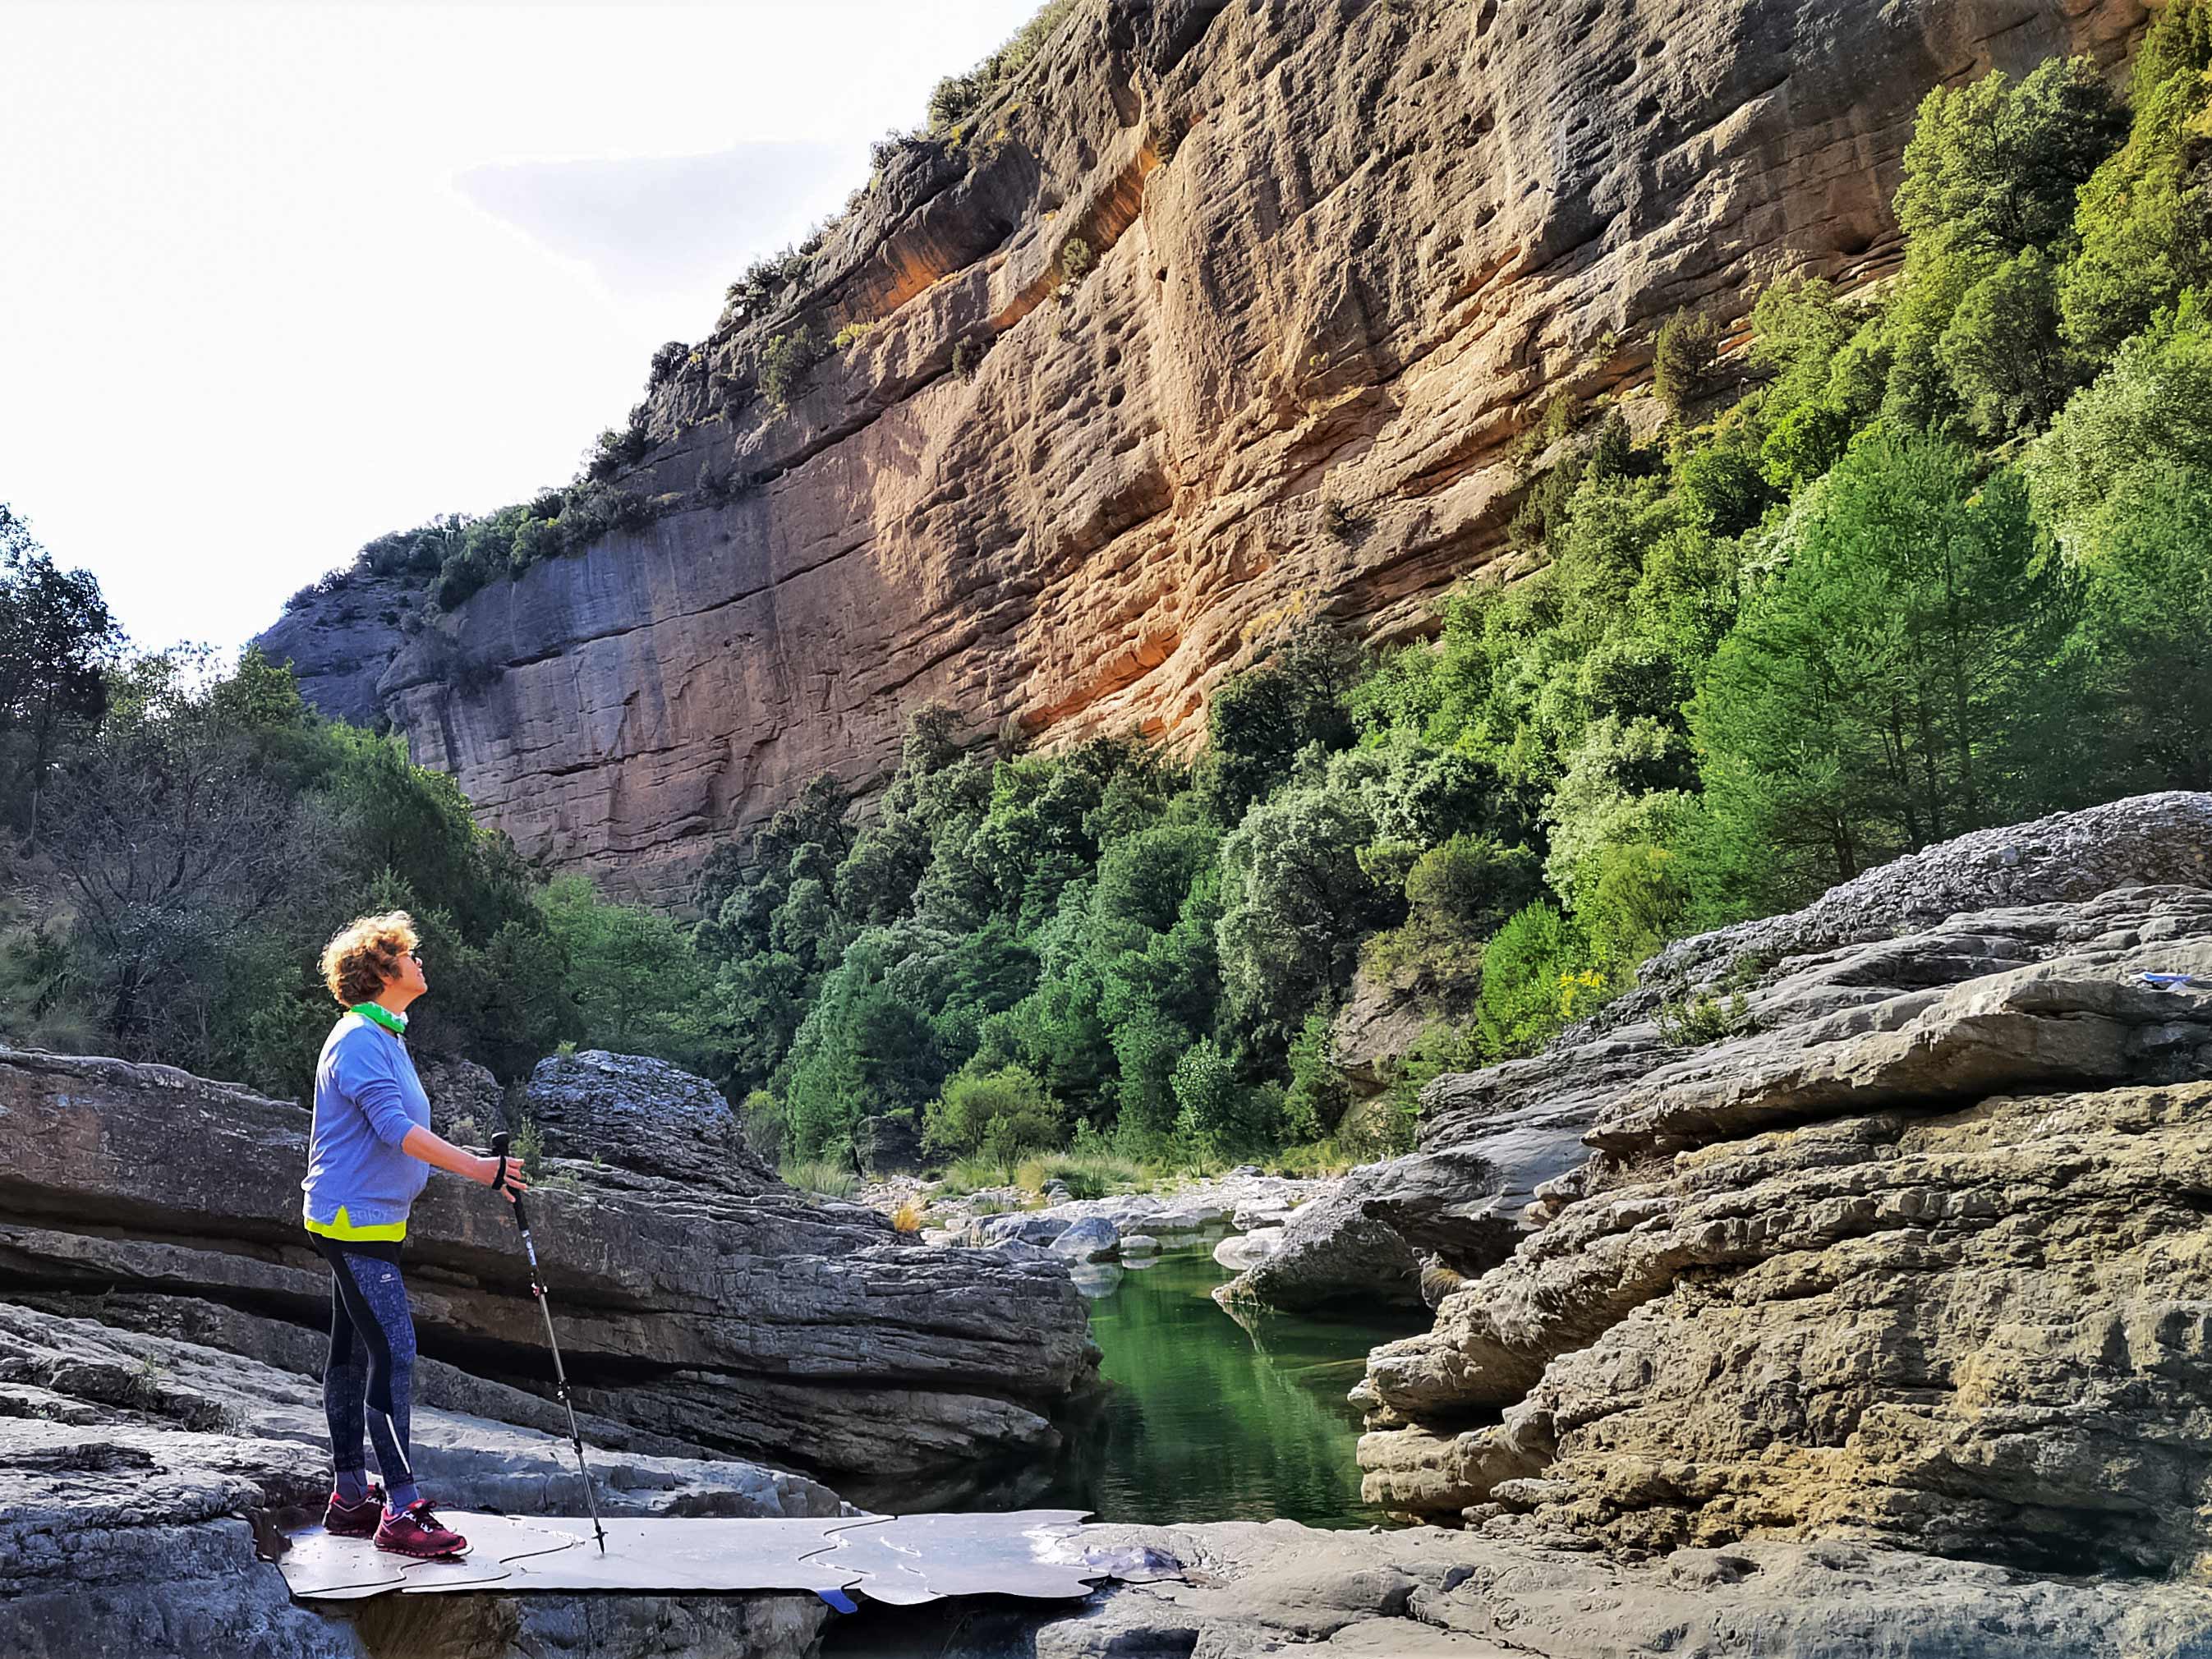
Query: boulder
[(1030, 1226), (1092, 1239), (1139, 1244), (467, 1105), (754, 1324), (1899, 1253), (1331, 1254), (643, 1114), (889, 1143), (1241, 1250)]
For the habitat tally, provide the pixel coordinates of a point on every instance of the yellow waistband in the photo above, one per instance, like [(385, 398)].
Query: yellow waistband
[(341, 1227)]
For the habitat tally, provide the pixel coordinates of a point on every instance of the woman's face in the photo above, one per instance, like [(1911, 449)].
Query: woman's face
[(407, 975)]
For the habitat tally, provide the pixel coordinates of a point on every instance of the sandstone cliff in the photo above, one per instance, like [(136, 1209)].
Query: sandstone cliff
[(1341, 251)]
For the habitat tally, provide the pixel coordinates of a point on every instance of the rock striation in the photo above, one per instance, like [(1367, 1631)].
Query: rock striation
[(1335, 257), (734, 1319), (1250, 1589), (1496, 1145), (1917, 1256)]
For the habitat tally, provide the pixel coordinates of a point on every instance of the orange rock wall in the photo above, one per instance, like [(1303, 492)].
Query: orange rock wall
[(1345, 251)]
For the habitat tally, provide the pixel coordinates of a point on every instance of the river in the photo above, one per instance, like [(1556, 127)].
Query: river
[(1208, 1421)]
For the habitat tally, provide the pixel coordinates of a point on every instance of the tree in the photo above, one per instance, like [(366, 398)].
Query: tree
[(1683, 358), (2144, 219), (633, 975), (2144, 640), (1295, 903), (1296, 695), (1880, 694), (1993, 166), (57, 640), (2149, 412), (2003, 351)]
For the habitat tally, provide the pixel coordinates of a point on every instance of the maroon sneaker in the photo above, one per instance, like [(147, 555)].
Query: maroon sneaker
[(344, 1520), (414, 1531)]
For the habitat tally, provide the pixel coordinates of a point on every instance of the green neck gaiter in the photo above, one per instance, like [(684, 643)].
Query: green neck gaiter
[(395, 1024)]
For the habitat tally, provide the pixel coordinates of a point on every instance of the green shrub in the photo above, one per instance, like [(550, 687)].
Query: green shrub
[(1683, 359), (1001, 1113), (1076, 259), (763, 1125), (1533, 978), (851, 335), (527, 1146), (785, 363), (1693, 1021)]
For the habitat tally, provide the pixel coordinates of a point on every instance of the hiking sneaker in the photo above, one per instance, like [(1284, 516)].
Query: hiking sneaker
[(414, 1531), (344, 1520)]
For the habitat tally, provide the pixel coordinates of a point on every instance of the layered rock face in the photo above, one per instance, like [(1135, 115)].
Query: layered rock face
[(734, 1318), (1341, 253), (1916, 1254), (142, 1476)]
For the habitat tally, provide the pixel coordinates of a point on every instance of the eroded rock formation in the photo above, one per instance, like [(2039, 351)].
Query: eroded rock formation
[(1342, 253), (1916, 1254), (736, 1319)]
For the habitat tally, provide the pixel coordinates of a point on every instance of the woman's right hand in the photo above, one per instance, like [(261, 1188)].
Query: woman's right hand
[(488, 1172)]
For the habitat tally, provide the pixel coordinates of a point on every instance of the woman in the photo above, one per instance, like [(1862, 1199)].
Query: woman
[(371, 1152)]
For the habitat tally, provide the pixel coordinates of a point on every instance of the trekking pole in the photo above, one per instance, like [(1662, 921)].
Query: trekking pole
[(560, 1376)]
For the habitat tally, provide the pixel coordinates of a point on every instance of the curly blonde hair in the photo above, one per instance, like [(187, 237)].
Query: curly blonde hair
[(365, 954)]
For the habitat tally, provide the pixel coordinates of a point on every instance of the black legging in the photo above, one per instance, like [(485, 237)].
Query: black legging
[(370, 1373)]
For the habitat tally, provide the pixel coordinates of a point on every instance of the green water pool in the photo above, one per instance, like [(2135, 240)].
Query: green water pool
[(1208, 1420)]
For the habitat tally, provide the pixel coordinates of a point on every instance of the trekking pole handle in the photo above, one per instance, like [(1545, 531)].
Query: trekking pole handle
[(499, 1184)]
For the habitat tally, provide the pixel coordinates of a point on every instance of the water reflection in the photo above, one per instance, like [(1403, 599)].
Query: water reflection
[(1216, 1419)]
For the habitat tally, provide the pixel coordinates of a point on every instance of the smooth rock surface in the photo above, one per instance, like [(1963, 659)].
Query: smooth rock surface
[(139, 1474), (1330, 1253)]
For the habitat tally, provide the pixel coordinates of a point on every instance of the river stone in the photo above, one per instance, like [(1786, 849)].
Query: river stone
[(1331, 1254), (1030, 1226), (1094, 1239), (1241, 1250), (1135, 1244)]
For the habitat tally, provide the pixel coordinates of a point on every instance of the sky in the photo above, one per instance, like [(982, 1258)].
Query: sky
[(275, 279)]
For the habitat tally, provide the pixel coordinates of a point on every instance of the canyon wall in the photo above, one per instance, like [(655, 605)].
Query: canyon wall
[(1343, 253)]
